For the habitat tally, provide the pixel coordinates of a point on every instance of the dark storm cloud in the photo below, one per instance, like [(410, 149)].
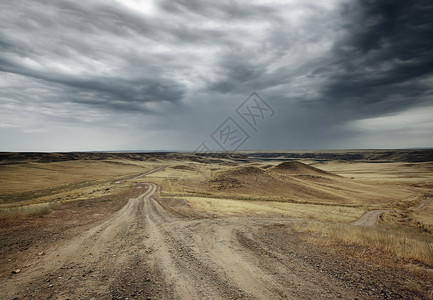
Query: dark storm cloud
[(49, 40), (42, 39), (386, 61), (164, 66)]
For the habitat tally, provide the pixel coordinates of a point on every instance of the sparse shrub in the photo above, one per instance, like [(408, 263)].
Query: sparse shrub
[(31, 210), (396, 241)]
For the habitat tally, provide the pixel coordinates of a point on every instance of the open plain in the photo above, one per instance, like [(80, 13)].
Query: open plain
[(253, 225)]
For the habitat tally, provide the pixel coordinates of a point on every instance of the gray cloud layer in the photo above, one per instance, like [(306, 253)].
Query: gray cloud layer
[(99, 75)]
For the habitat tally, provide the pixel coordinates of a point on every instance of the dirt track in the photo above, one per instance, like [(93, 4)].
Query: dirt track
[(369, 218), (423, 205), (148, 249)]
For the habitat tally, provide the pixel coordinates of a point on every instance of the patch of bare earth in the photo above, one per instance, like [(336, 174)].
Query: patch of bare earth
[(23, 237), (348, 267)]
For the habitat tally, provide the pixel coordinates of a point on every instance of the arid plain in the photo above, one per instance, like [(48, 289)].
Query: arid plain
[(297, 225)]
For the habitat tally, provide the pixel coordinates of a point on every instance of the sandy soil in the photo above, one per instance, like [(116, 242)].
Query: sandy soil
[(156, 249)]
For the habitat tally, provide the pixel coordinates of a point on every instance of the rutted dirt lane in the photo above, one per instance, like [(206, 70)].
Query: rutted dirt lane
[(148, 251), (423, 205), (369, 218)]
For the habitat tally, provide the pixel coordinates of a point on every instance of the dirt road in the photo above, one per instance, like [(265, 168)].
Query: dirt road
[(423, 205), (149, 250), (369, 218), (144, 174)]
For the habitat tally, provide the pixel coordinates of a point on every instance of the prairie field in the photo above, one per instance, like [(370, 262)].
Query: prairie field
[(368, 211)]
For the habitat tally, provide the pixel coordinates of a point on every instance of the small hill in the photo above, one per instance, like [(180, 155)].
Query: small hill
[(298, 168), (183, 167), (238, 178), (245, 171), (288, 181)]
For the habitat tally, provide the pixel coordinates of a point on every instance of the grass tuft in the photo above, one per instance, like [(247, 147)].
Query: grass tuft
[(394, 240), (24, 211)]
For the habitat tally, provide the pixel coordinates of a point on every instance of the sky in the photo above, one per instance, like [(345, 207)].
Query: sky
[(201, 75)]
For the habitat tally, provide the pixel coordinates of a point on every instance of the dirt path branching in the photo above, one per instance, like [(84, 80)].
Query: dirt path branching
[(148, 250)]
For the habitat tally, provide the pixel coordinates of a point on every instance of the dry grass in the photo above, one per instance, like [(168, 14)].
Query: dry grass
[(395, 240), (192, 172), (24, 211), (33, 189), (324, 213), (395, 172), (33, 183), (29, 177), (222, 181), (425, 216)]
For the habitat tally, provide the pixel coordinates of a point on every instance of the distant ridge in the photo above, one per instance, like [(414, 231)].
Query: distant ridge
[(298, 168), (370, 156)]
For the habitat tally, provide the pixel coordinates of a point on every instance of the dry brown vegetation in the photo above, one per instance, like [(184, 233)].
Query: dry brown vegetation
[(34, 188), (400, 242), (299, 183)]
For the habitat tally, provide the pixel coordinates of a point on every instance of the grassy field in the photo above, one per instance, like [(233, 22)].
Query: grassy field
[(398, 241), (34, 188), (326, 213)]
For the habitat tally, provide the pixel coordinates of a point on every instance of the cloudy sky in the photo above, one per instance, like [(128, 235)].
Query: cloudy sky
[(172, 74)]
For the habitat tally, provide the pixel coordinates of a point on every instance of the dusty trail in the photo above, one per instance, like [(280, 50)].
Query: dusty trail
[(423, 205), (144, 174), (369, 218), (144, 251)]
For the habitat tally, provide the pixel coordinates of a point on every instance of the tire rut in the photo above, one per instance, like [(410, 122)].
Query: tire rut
[(146, 251)]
